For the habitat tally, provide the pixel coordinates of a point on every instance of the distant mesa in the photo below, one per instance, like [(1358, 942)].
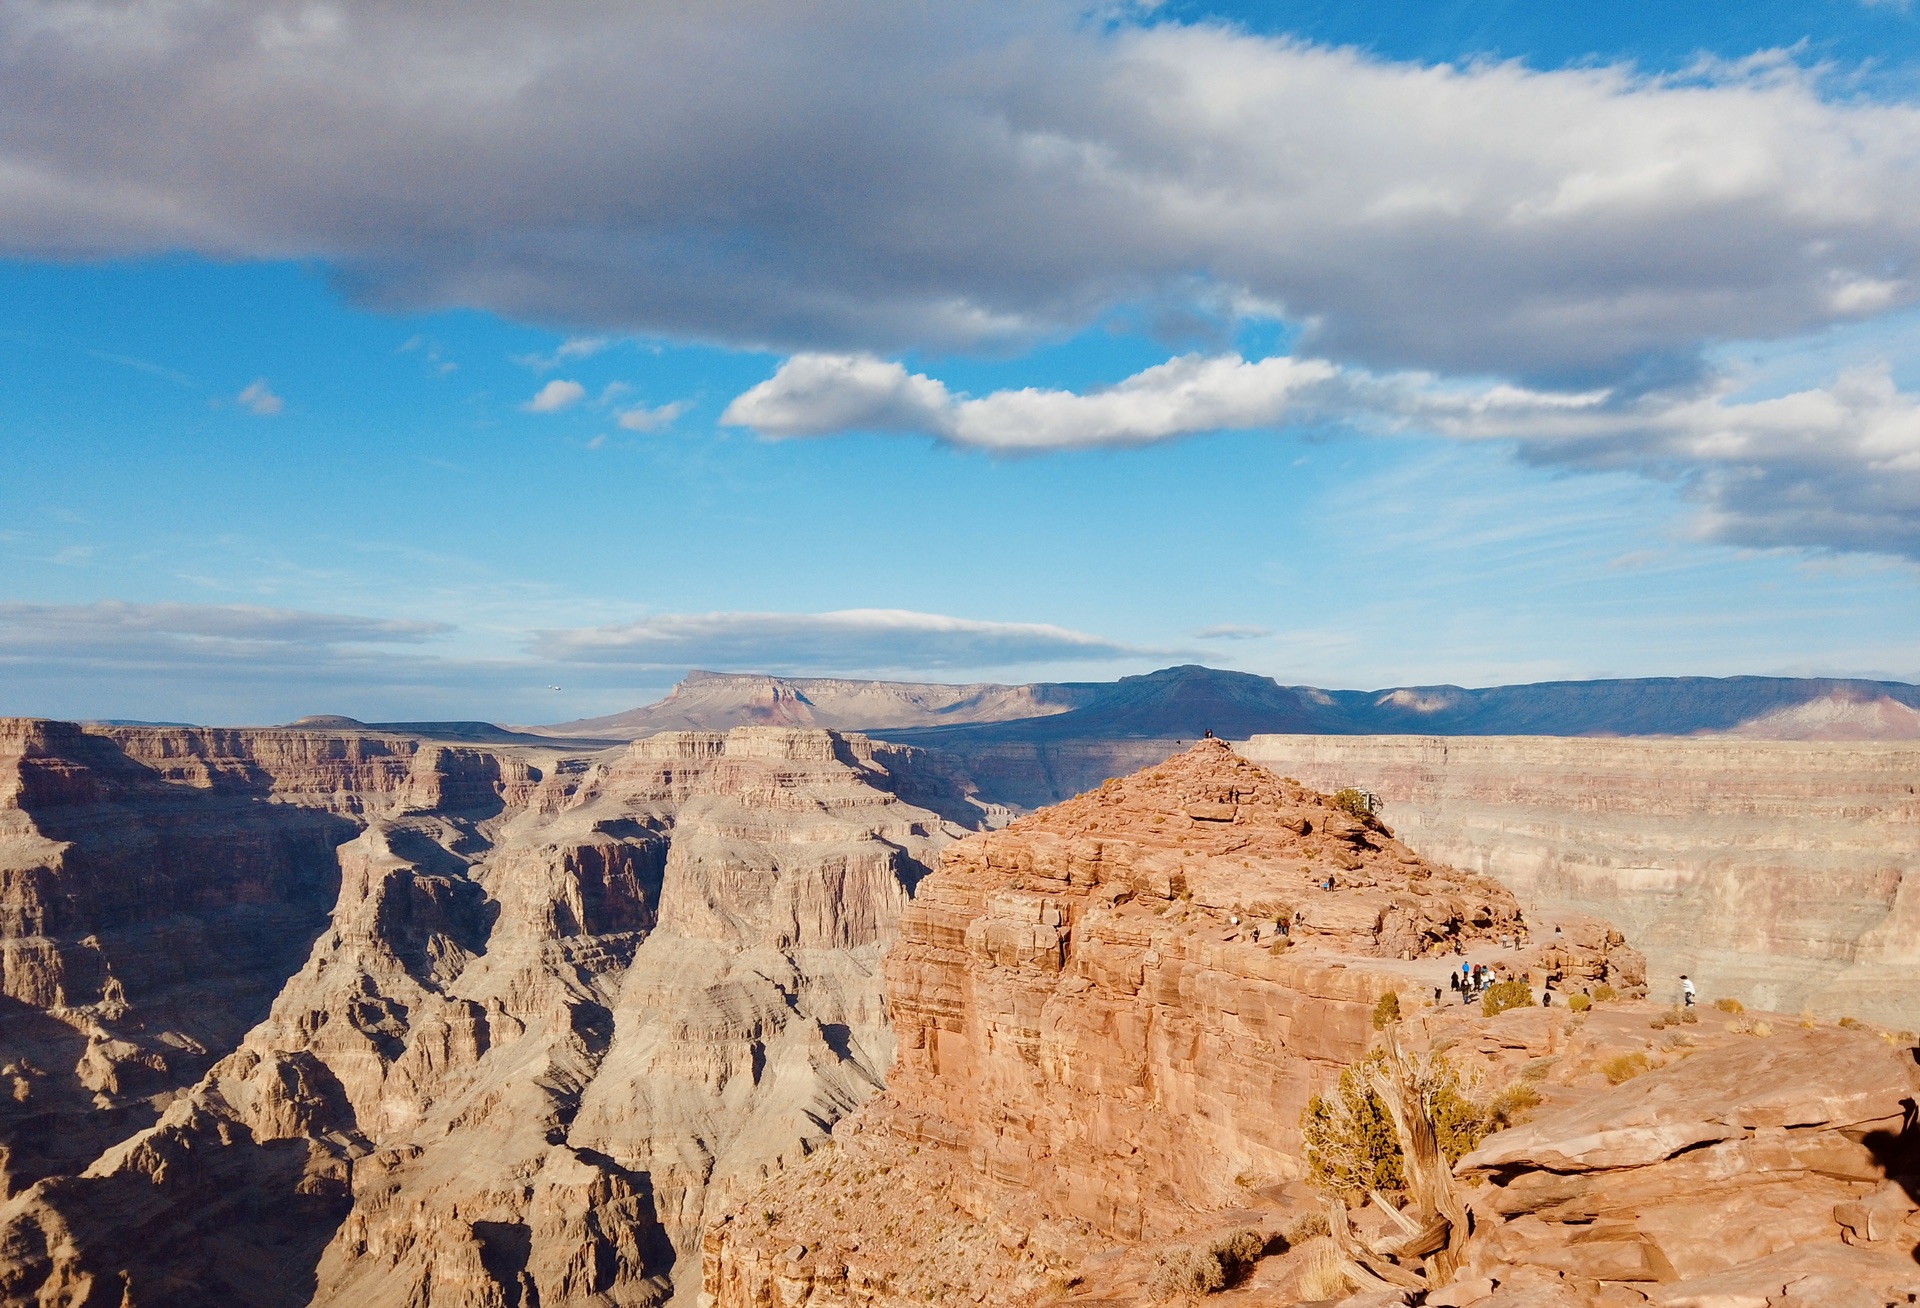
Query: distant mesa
[(1183, 702)]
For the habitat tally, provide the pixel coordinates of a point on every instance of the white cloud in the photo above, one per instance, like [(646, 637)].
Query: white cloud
[(556, 396), (853, 640), (859, 176), (1835, 467), (259, 400), (641, 418), (818, 394), (1232, 631)]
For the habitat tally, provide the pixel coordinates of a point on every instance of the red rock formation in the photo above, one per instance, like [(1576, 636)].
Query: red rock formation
[(1100, 1041)]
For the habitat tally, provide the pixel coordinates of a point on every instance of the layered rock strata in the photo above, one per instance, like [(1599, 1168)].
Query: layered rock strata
[(1105, 1041), (556, 1004), (1773, 1169), (1783, 872)]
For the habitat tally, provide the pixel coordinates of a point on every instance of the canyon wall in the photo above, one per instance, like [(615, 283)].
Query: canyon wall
[(1111, 1017), (1786, 873), (339, 1017)]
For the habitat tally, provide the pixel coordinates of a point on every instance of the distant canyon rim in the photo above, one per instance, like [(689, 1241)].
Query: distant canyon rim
[(1761, 835)]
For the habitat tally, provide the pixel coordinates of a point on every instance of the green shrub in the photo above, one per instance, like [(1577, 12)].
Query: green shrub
[(1502, 995), (1387, 1011), (1603, 992), (1579, 1003), (1728, 1004), (1351, 1145), (1352, 802)]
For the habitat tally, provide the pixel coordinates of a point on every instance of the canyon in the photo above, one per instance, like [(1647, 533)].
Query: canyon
[(1785, 873), (322, 1016), (459, 1016)]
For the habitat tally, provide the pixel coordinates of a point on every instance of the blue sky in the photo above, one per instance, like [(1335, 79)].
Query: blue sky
[(1313, 340)]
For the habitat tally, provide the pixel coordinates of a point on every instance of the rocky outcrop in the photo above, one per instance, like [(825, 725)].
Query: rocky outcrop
[(1786, 873), (1111, 1016), (1765, 1168), (556, 1003)]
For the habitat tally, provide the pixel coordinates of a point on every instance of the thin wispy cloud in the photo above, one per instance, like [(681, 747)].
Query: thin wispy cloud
[(150, 368), (574, 347), (259, 400), (238, 630), (642, 418), (853, 640)]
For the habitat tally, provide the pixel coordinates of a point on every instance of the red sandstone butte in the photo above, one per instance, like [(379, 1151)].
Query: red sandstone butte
[(1105, 1043)]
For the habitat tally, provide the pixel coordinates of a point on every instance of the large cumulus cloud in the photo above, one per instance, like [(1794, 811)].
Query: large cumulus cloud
[(861, 176)]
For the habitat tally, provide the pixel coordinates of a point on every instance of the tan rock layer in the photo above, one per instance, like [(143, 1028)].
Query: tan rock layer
[(1786, 873)]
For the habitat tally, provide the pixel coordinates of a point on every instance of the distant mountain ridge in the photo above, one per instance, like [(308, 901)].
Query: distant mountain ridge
[(1182, 702), (717, 701)]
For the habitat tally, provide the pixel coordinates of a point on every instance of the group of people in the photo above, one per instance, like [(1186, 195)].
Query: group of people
[(1470, 981)]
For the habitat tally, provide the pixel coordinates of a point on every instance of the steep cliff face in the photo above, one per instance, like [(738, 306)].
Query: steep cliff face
[(1104, 1038), (1785, 872), (147, 918), (555, 1004)]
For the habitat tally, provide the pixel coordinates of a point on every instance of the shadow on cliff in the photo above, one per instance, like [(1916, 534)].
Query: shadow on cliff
[(1898, 1152), (244, 1225)]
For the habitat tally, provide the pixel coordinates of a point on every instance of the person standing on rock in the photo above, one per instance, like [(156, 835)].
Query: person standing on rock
[(1686, 990)]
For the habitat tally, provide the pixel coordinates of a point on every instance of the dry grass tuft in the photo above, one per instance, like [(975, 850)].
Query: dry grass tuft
[(1624, 1067), (1306, 1227), (1511, 1106), (1728, 1004)]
